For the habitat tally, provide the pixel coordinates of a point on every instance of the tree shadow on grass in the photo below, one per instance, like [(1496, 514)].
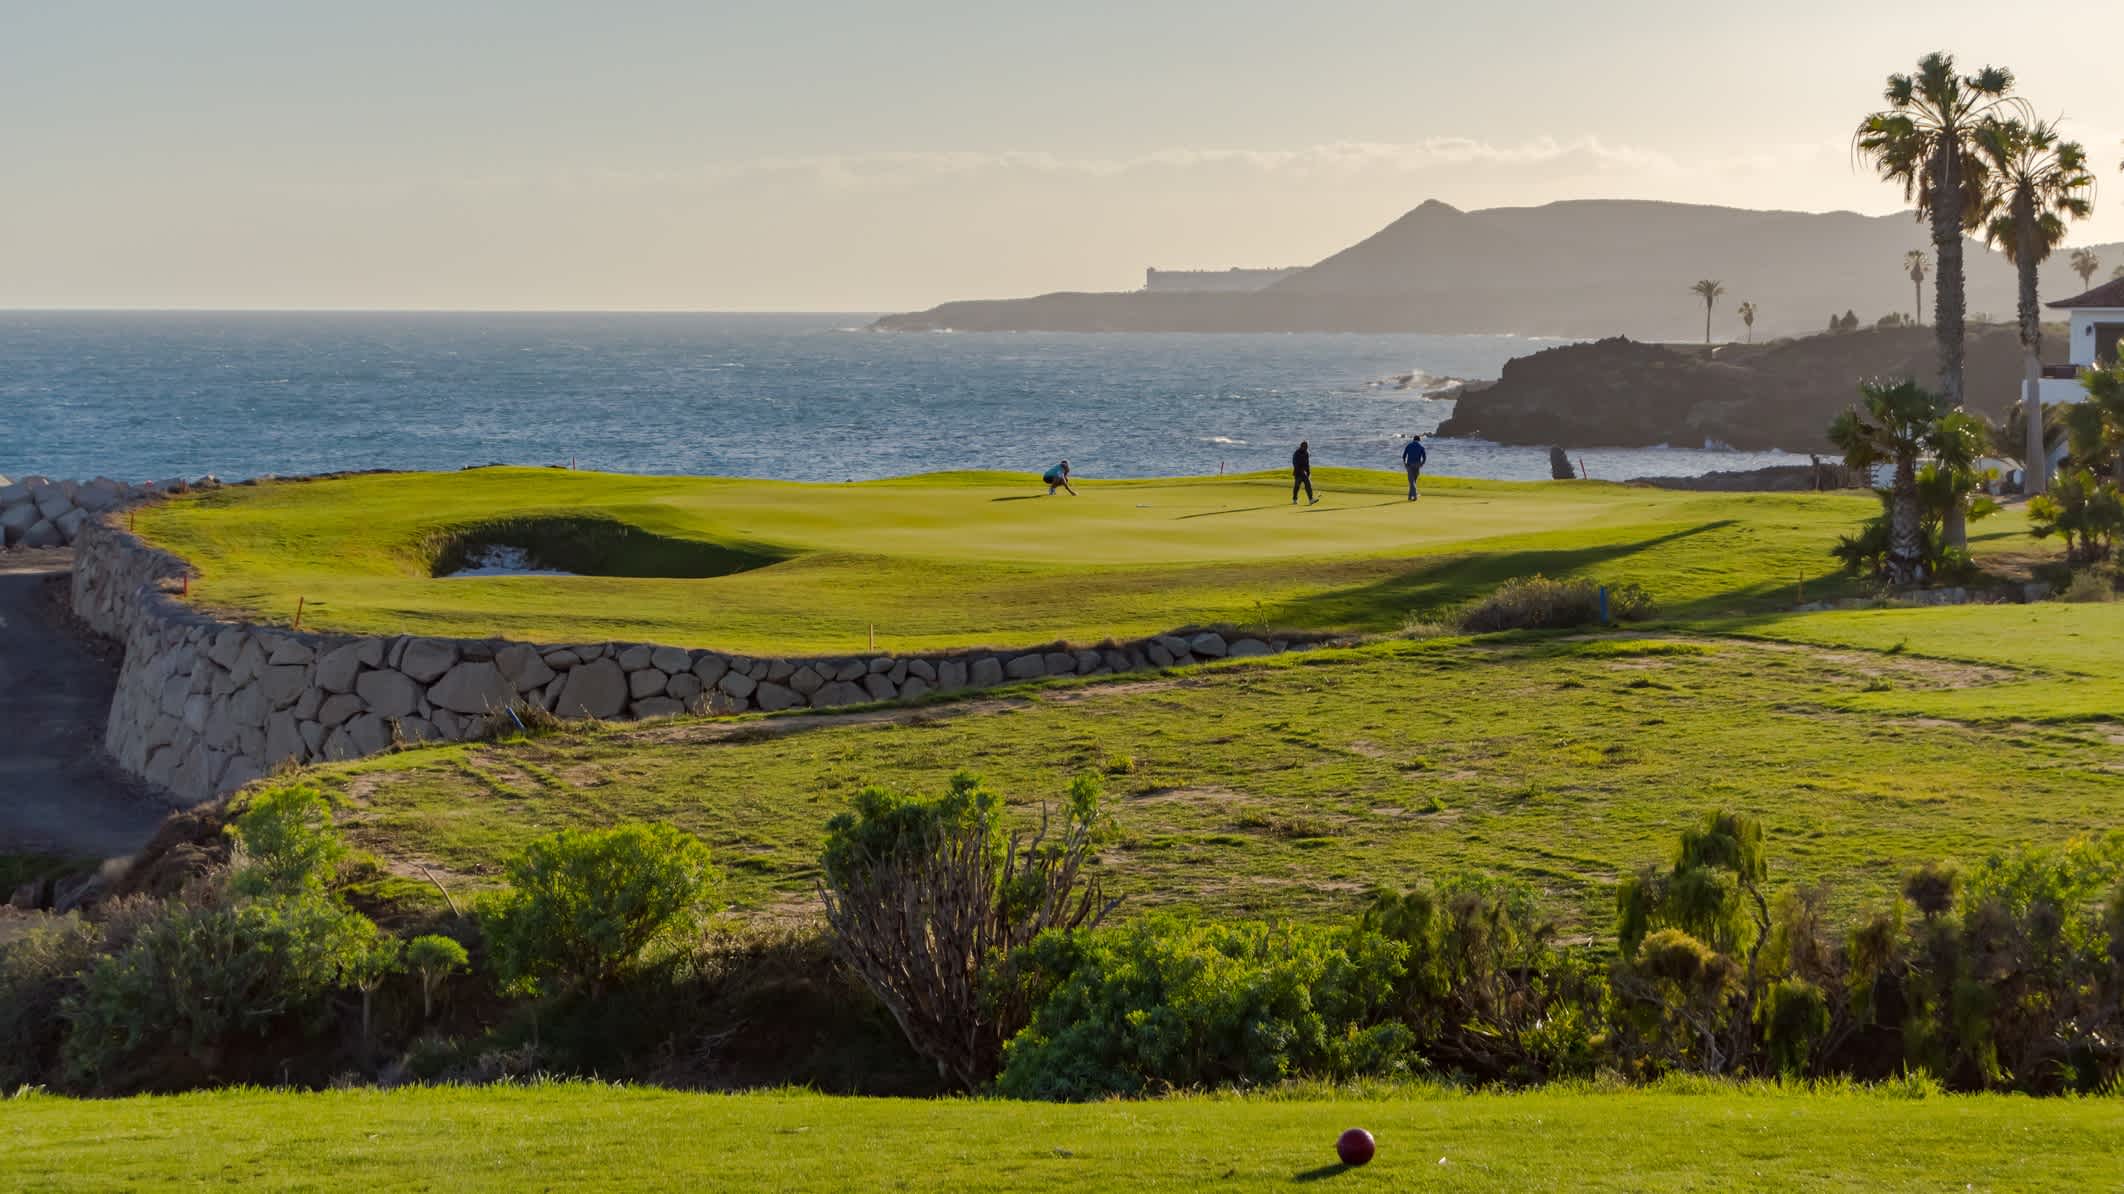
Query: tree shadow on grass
[(1434, 583)]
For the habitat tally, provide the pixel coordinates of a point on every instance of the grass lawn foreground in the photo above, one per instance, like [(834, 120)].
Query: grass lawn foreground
[(584, 1136)]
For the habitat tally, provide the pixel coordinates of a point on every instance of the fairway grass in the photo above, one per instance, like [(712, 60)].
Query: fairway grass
[(983, 558), (560, 1137), (1294, 786)]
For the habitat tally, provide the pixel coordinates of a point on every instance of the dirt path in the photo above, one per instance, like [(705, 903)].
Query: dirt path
[(58, 793)]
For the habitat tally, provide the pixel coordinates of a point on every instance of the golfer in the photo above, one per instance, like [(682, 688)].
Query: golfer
[(1058, 478), (1302, 474), (1412, 458)]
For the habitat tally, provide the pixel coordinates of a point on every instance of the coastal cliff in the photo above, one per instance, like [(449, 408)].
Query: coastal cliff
[(1622, 393)]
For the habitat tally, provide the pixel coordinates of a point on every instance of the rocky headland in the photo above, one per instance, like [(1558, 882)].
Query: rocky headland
[(1782, 394)]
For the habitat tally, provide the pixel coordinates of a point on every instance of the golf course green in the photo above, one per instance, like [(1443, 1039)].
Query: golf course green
[(965, 559)]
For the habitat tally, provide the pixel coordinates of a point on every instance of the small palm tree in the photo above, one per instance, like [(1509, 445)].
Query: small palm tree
[(2086, 263), (1747, 314), (2036, 180), (1914, 265), (1925, 139), (1957, 443), (1710, 292), (1893, 422), (2095, 427)]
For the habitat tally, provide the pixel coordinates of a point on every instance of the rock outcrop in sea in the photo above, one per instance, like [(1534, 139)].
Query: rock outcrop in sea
[(1620, 393)]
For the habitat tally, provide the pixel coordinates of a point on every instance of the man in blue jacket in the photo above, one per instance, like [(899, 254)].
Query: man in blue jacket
[(1412, 458)]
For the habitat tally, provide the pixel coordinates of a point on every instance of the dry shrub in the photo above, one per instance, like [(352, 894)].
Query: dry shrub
[(1539, 603)]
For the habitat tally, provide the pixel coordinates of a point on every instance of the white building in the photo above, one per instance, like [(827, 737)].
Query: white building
[(1212, 281), (2096, 332)]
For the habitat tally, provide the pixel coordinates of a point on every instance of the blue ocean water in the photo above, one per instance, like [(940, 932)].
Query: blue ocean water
[(804, 397)]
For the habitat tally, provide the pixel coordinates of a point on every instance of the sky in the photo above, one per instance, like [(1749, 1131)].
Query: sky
[(864, 157)]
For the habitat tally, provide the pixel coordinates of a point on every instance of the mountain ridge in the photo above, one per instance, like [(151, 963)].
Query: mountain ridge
[(1576, 268)]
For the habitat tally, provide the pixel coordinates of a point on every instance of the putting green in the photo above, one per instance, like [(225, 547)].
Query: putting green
[(964, 559)]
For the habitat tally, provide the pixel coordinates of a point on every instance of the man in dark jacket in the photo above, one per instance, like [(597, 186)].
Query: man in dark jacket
[(1412, 458), (1302, 474)]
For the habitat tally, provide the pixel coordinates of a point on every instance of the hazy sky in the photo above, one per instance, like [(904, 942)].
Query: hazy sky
[(783, 155)]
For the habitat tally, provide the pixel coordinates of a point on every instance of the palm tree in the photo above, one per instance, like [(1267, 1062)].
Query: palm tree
[(2037, 181), (2085, 262), (2011, 441), (1914, 265), (1893, 422), (1747, 314), (1957, 442), (1926, 140), (1711, 292)]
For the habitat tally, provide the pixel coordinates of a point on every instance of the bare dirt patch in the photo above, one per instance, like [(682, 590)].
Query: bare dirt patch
[(1199, 797), (1929, 670)]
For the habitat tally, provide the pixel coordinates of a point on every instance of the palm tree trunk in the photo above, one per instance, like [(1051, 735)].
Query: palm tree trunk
[(1707, 321), (2035, 473), (1947, 245), (1905, 531), (1917, 301)]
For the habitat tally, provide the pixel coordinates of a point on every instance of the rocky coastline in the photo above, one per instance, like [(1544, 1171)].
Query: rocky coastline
[(1622, 393)]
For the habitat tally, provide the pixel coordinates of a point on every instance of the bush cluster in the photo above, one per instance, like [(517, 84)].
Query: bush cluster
[(1539, 603), (2010, 977), (252, 963), (990, 966)]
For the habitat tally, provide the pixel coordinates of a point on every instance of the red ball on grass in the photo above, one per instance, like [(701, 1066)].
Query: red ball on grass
[(1355, 1146)]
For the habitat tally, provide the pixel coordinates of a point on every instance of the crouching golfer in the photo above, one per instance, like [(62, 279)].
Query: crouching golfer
[(1058, 478), (1412, 458), (1302, 474)]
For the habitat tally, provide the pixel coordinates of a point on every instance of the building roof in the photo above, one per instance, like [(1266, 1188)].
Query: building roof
[(2108, 294)]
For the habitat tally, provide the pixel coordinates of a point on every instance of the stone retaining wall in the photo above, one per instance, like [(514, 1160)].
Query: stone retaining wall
[(205, 706), (41, 512)]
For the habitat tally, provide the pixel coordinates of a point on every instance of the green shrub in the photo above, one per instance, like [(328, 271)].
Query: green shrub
[(1162, 1003), (1539, 603), (39, 971), (2090, 586), (197, 975), (434, 958), (929, 902), (2084, 510), (1484, 989), (285, 841), (584, 907), (1794, 1017)]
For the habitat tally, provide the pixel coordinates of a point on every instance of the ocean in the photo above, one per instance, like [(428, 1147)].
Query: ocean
[(141, 396)]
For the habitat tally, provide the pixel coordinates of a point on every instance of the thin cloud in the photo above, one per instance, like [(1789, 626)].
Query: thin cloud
[(1330, 160)]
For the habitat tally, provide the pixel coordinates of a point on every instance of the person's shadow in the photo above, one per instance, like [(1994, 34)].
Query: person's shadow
[(1322, 1173)]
